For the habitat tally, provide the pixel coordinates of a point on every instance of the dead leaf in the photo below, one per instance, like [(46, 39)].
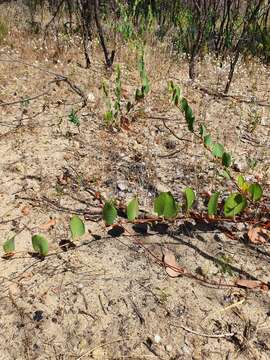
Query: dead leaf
[(257, 235), (25, 210), (169, 259), (125, 123), (48, 224), (251, 284)]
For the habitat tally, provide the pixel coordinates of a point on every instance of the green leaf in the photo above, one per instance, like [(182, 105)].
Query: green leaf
[(171, 86), (207, 140), (77, 227), (109, 213), (213, 203), (218, 150), (73, 118), (133, 209), (190, 197), (165, 205), (108, 116), (226, 159), (190, 119), (240, 181), (255, 191), (145, 86), (176, 95), (184, 105), (202, 130), (40, 244), (225, 174), (234, 204), (9, 245)]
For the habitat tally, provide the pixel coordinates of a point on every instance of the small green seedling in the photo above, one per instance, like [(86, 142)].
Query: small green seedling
[(73, 118)]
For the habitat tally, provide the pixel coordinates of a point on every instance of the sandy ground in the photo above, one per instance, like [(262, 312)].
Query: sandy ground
[(106, 297)]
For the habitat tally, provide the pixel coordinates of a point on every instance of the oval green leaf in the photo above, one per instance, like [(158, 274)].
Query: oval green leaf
[(218, 150), (133, 209), (184, 104), (213, 203), (224, 174), (203, 131), (234, 204), (256, 191), (77, 227), (40, 244), (207, 140), (190, 197), (240, 181), (165, 205), (9, 245), (109, 213), (226, 159)]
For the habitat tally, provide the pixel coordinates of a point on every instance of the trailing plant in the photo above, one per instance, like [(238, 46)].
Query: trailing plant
[(235, 202)]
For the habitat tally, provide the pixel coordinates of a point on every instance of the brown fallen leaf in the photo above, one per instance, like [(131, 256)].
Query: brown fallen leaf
[(48, 224), (25, 210), (252, 284), (258, 235), (169, 259)]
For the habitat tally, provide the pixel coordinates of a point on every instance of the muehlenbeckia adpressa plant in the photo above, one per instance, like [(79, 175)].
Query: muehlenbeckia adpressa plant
[(145, 86), (235, 202), (165, 205), (39, 242), (114, 110), (112, 113)]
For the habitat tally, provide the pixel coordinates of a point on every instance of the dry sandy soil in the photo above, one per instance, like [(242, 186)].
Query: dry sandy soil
[(106, 296)]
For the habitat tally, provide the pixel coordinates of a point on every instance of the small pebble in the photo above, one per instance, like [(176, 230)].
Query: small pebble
[(157, 339)]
